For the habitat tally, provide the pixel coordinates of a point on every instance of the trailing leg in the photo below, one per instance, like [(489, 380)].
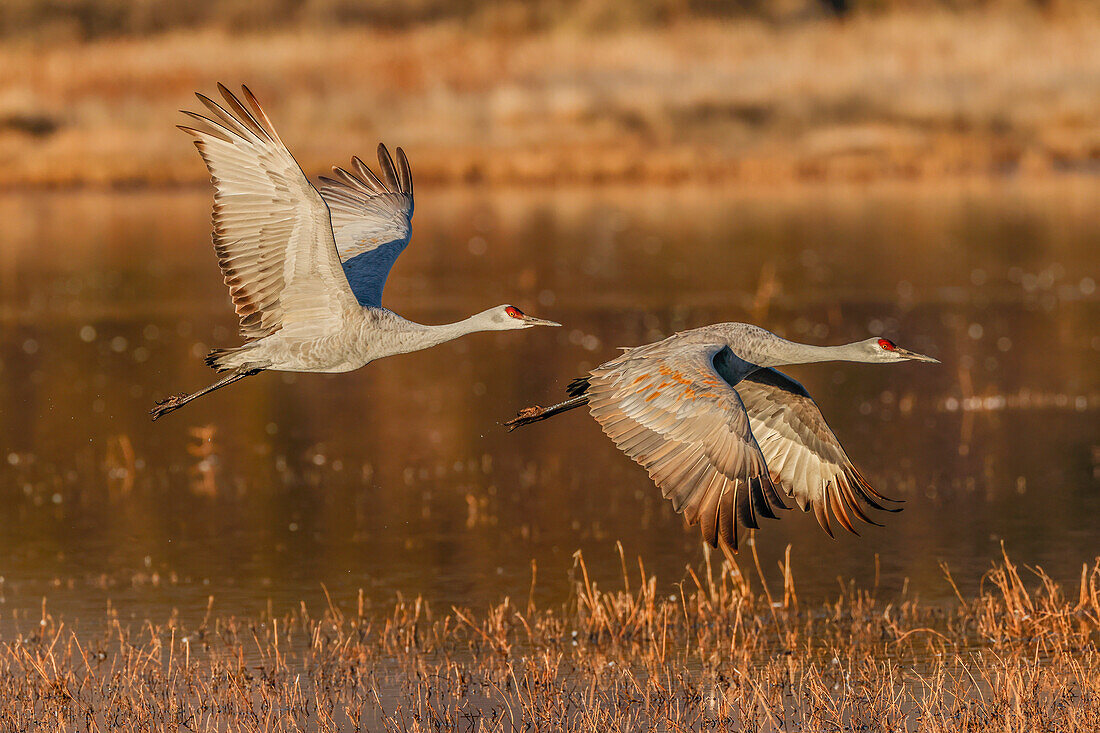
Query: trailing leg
[(535, 413), (174, 403)]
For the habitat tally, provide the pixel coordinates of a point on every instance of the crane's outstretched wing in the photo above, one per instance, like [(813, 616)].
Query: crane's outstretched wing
[(272, 232), (804, 456), (372, 220), (674, 414)]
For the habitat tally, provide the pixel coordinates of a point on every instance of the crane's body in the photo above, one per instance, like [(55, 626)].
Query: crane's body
[(306, 268), (722, 432)]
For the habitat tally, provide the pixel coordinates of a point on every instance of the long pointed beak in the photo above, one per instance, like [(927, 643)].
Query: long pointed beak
[(532, 321), (914, 356)]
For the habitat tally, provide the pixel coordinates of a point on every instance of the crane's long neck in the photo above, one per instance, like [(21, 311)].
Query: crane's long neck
[(780, 352), (434, 335)]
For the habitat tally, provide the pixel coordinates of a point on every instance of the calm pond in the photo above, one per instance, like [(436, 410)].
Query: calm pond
[(398, 479)]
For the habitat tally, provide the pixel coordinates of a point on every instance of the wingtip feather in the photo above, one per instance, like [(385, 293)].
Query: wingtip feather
[(836, 505), (822, 517), (373, 183), (389, 173), (404, 172)]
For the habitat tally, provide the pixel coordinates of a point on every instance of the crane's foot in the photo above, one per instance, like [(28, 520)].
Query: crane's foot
[(525, 416), (163, 407)]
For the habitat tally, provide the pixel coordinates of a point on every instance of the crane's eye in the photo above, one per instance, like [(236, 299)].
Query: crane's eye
[(887, 345), (514, 312)]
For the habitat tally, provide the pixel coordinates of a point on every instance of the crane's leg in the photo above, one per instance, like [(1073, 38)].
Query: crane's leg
[(535, 413), (175, 402)]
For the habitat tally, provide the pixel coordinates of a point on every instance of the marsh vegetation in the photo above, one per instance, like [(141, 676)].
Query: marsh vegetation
[(926, 93), (722, 652)]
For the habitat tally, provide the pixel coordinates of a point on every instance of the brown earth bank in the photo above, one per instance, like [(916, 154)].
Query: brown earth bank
[(905, 94)]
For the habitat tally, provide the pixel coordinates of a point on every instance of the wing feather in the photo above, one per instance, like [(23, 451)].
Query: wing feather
[(366, 175), (803, 454), (674, 414), (404, 172), (272, 232), (371, 219), (389, 172)]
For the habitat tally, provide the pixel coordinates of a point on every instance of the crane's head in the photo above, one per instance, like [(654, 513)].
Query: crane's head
[(508, 317), (884, 350)]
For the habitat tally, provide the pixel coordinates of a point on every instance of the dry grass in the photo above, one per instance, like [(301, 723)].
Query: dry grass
[(717, 654), (904, 95)]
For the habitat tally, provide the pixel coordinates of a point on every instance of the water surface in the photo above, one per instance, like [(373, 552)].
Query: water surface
[(398, 479)]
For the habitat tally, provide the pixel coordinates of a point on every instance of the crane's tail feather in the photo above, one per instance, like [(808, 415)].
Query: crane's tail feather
[(214, 358), (578, 386), (223, 360)]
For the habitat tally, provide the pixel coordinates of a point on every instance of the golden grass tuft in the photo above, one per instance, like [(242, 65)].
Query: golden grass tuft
[(717, 654)]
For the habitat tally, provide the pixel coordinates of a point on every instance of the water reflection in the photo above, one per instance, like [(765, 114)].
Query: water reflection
[(398, 478)]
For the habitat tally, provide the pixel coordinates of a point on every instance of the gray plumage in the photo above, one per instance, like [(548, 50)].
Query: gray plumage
[(723, 433), (306, 269), (371, 219)]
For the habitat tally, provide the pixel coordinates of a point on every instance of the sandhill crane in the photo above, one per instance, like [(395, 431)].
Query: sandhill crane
[(718, 428), (305, 268)]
